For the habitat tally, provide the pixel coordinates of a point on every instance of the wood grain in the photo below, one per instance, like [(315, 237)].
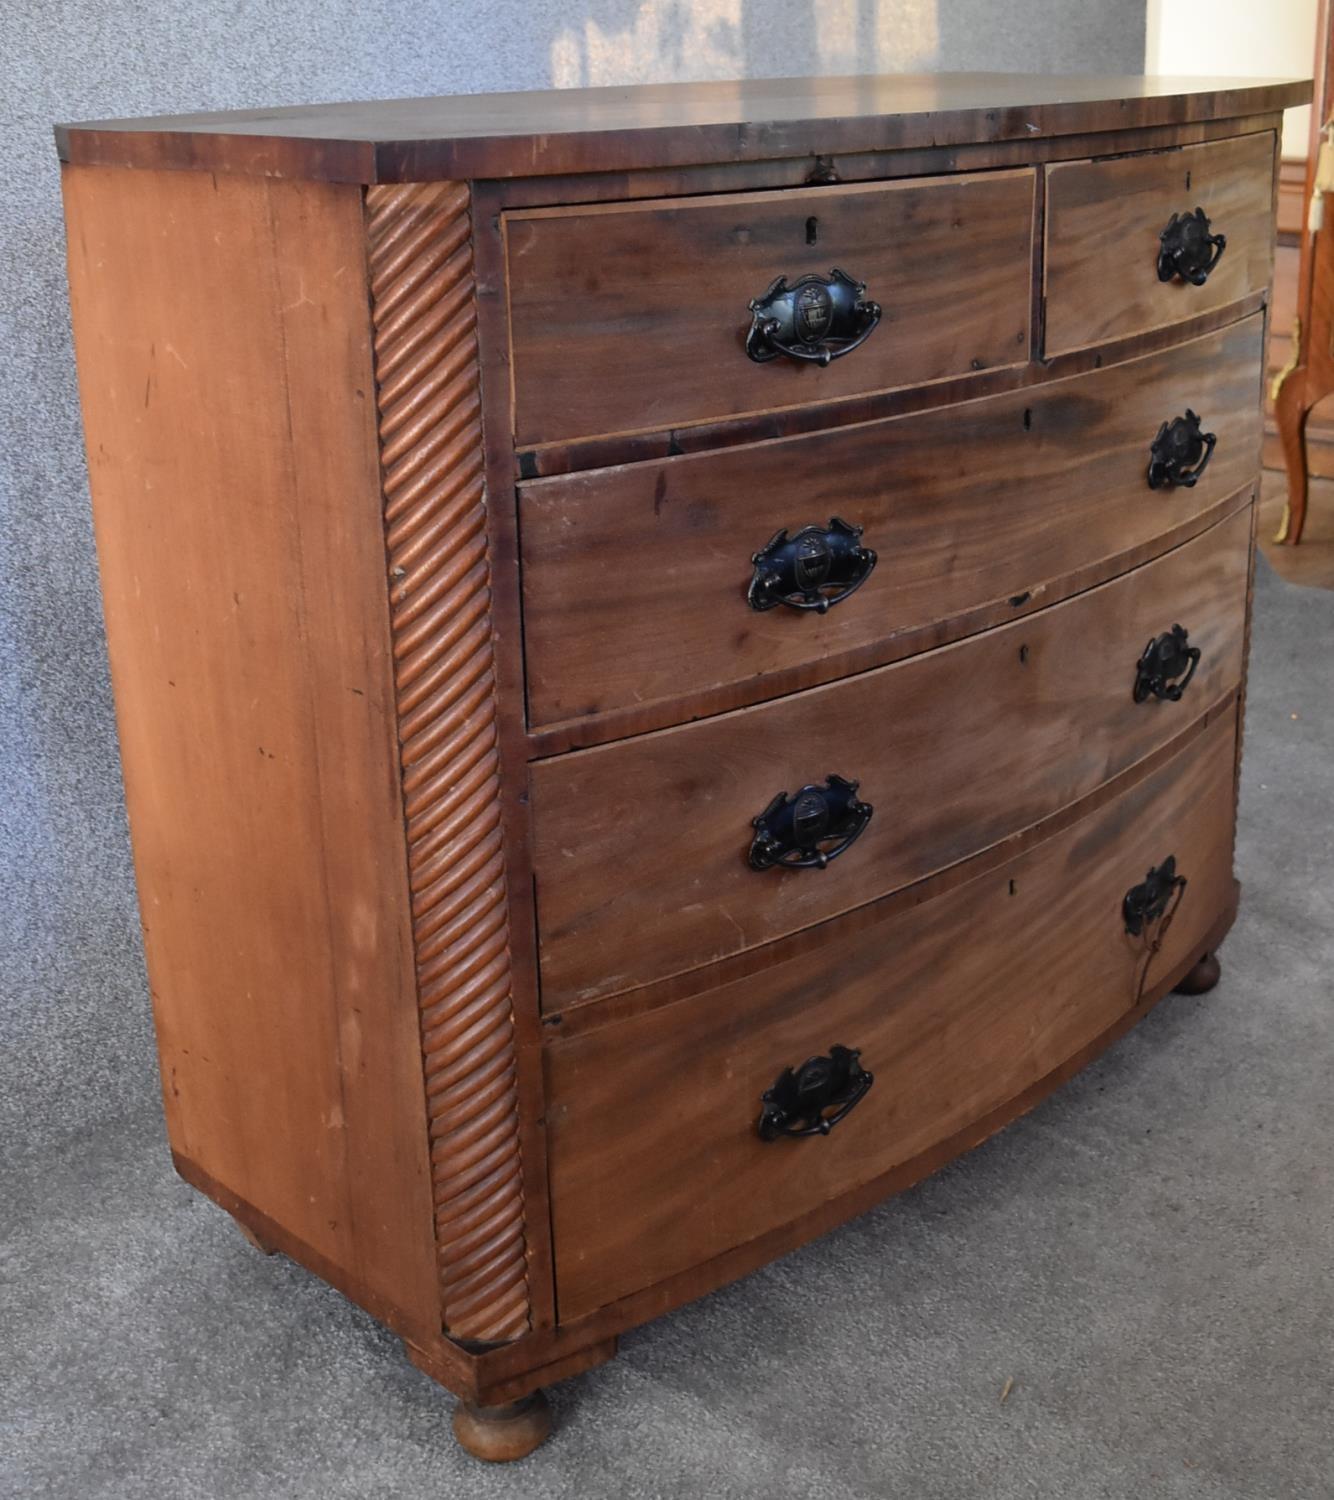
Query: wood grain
[(552, 460), (1103, 223), (427, 373), (225, 372), (661, 125), (635, 315), (349, 837), (657, 555), (587, 1015), (707, 1275), (628, 181), (640, 847), (507, 635), (505, 1368), (989, 990)]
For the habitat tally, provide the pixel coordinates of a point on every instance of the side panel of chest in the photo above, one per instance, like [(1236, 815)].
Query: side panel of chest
[(224, 351)]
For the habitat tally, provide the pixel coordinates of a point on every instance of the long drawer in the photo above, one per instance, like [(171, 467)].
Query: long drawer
[(635, 315), (657, 557), (641, 848), (1105, 220), (957, 1006)]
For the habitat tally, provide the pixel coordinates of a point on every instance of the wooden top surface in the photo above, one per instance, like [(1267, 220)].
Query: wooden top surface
[(659, 125)]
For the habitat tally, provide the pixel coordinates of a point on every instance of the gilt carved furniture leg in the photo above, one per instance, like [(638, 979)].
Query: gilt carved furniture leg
[(1291, 411), (500, 1434), (1202, 978)]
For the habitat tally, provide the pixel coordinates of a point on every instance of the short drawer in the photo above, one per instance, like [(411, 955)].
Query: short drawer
[(657, 557), (635, 316), (1104, 249), (642, 848), (957, 1006)]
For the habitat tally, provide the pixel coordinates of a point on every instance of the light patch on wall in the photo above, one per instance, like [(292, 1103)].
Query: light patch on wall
[(877, 36), (664, 40), (907, 36), (837, 39)]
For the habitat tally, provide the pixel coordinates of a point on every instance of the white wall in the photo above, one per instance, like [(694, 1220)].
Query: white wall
[(1238, 39)]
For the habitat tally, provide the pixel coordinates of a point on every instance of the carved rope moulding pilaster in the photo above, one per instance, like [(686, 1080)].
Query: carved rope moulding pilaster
[(423, 298)]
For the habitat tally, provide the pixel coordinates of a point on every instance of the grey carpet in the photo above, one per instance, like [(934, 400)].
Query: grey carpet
[(1149, 1258)]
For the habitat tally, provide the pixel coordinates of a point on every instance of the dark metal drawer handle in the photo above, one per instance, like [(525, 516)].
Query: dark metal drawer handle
[(1165, 657), (1187, 249), (797, 1102), (794, 833), (1150, 900), (794, 570), (817, 318), (1180, 453)]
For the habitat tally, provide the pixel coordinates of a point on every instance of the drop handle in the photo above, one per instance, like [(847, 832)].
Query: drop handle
[(815, 320), (812, 1099), (1187, 249), (815, 569), (1167, 658), (811, 828), (1180, 453), (1154, 898)]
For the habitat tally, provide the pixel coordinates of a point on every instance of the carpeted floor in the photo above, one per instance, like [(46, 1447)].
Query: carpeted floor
[(1149, 1258)]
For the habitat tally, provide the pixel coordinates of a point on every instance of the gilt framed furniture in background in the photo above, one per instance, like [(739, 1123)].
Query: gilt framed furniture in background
[(1307, 376), (678, 652)]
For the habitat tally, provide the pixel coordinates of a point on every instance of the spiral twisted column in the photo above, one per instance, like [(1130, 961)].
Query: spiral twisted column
[(423, 301)]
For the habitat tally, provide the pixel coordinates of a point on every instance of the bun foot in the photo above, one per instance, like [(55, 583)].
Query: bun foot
[(262, 1245), (1202, 978), (500, 1434)]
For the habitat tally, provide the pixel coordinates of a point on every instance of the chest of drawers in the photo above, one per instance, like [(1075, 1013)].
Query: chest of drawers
[(678, 653)]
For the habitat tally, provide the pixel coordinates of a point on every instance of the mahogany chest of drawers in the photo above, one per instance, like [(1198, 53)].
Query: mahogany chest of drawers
[(678, 651)]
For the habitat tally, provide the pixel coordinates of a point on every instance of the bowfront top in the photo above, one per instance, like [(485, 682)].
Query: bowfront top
[(659, 125)]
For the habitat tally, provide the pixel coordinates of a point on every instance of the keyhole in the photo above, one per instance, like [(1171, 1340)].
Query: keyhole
[(1028, 419), (1023, 654), (1014, 889), (1188, 182), (812, 230)]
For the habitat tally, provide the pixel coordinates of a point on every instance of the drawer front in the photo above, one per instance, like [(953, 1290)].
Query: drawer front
[(657, 556), (641, 848), (1104, 220), (635, 316), (957, 1006)]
